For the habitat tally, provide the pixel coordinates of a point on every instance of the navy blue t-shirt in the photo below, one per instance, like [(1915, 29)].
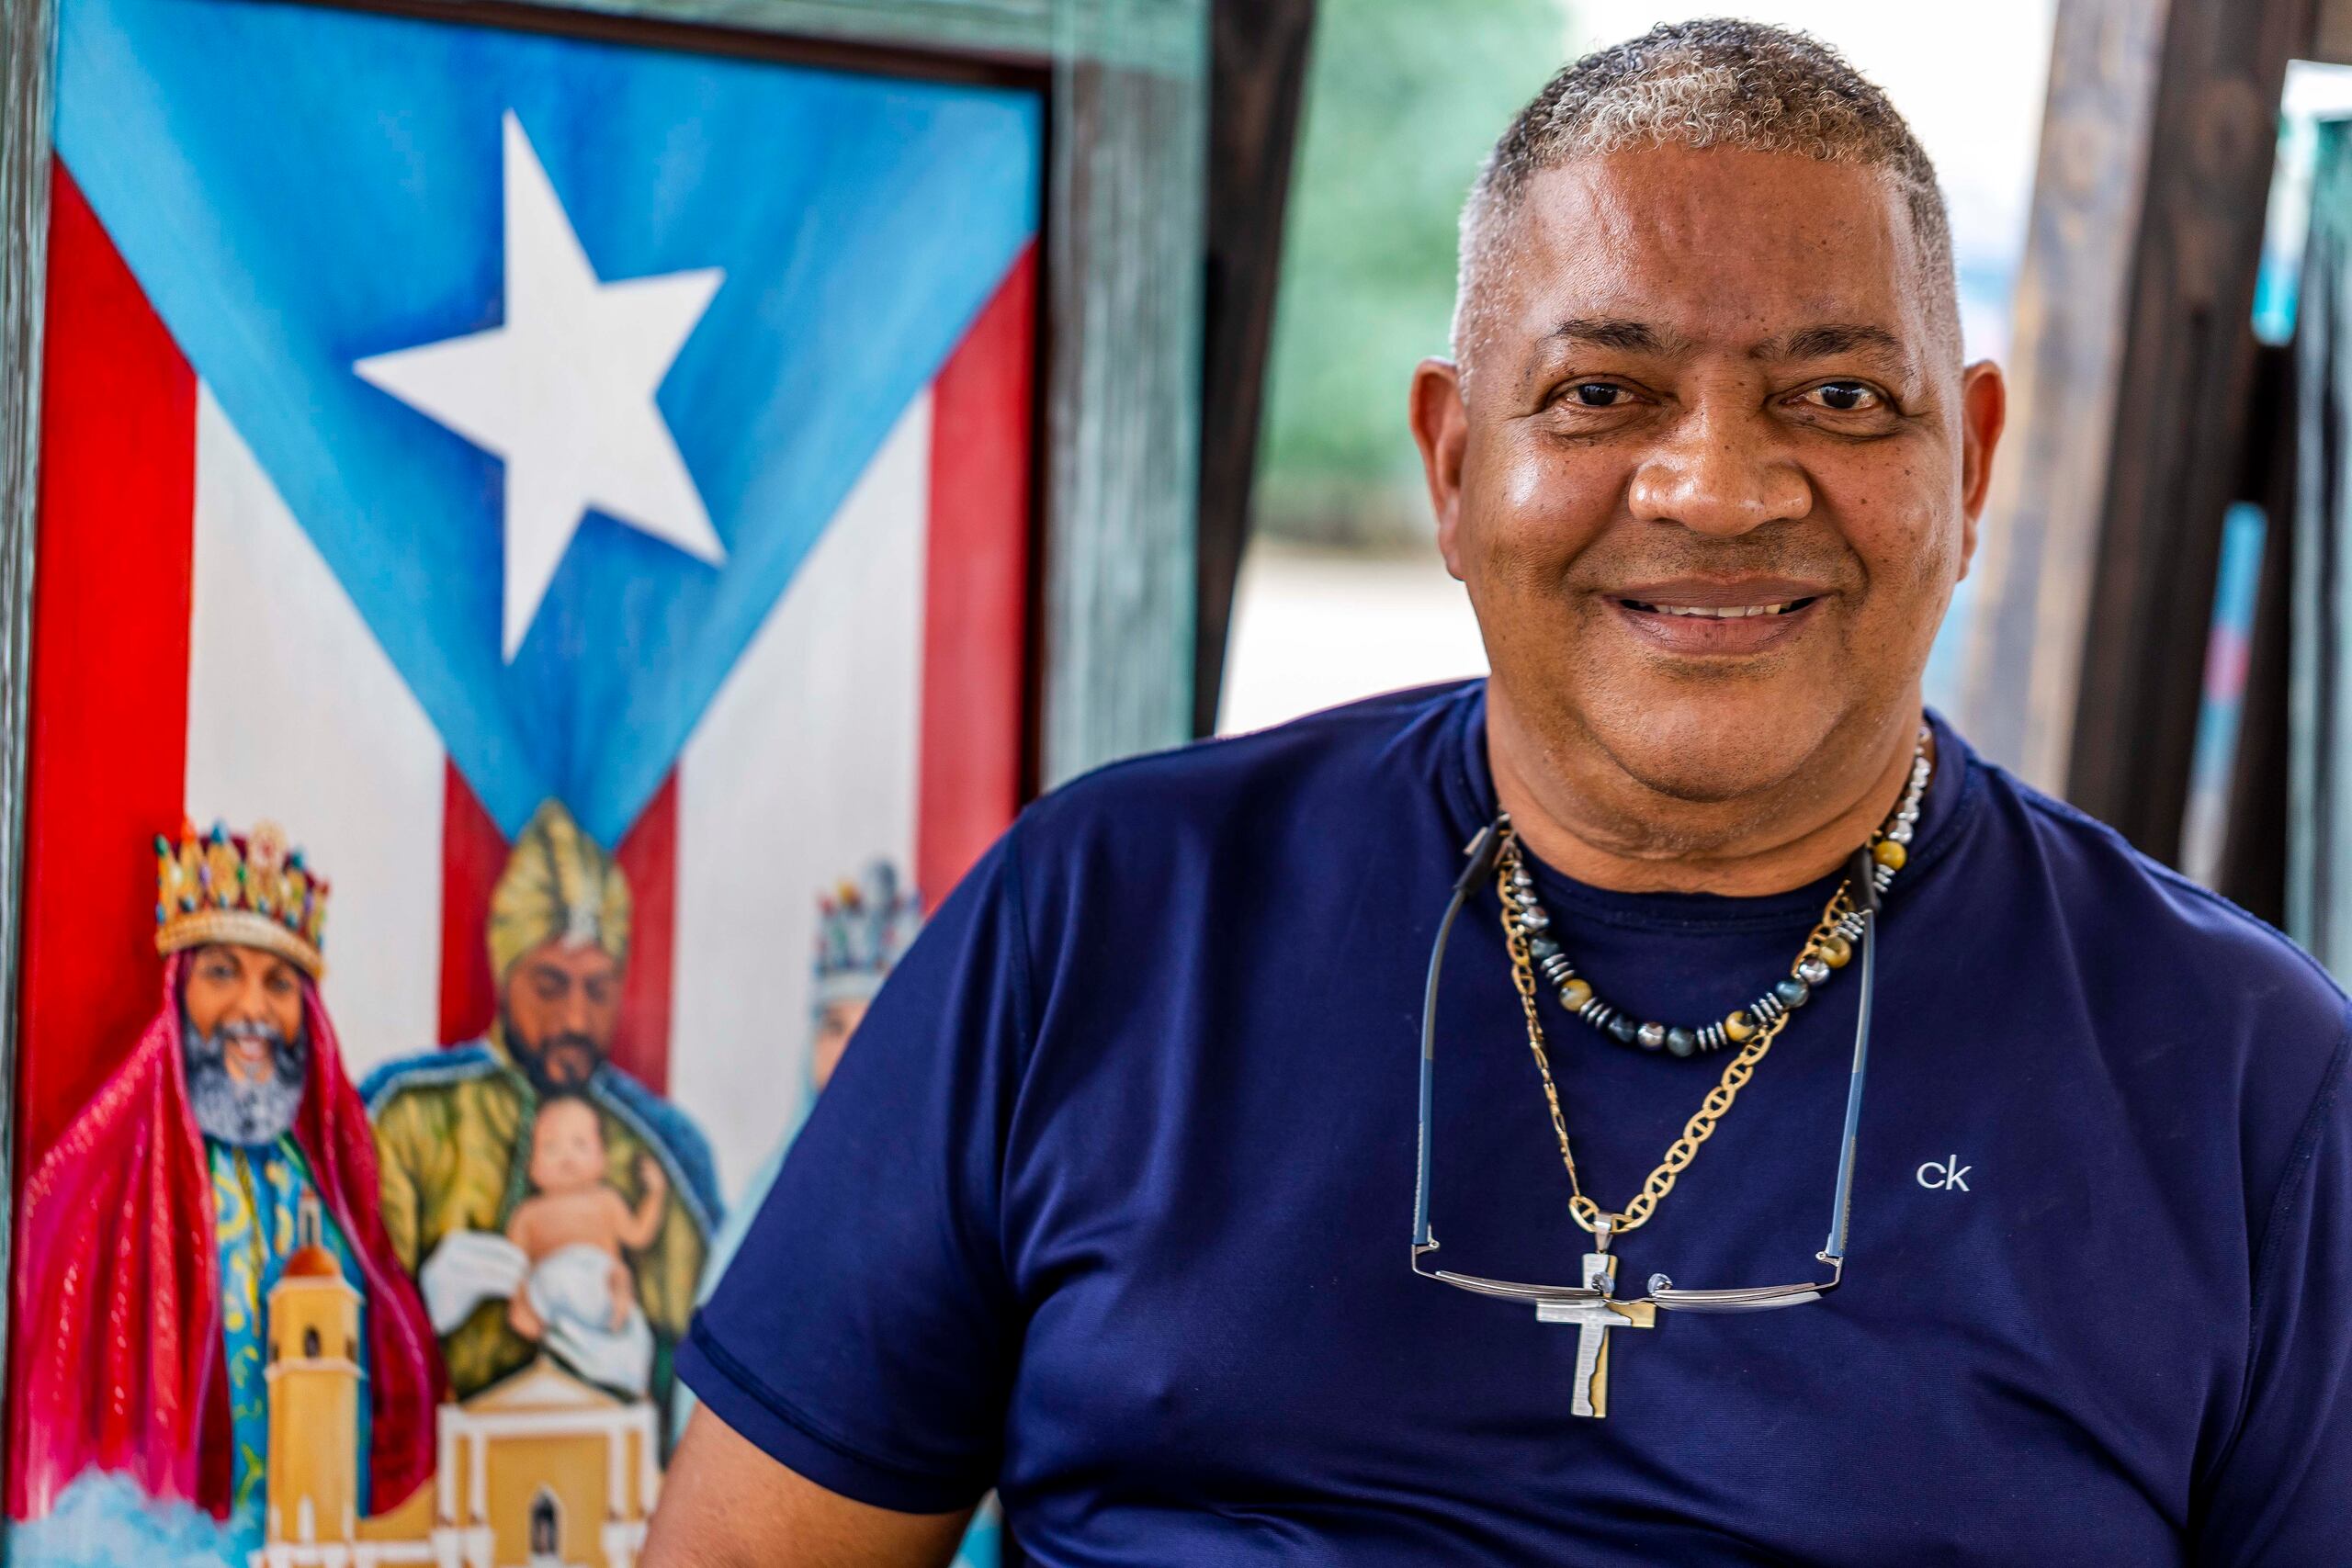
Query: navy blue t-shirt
[(1109, 1205)]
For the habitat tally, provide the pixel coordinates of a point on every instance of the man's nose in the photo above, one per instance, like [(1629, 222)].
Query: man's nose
[(1719, 473), (248, 1004)]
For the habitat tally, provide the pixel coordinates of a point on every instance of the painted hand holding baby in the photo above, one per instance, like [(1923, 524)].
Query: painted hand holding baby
[(652, 1182)]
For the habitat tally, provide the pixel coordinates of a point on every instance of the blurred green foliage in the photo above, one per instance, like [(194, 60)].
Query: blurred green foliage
[(1404, 97)]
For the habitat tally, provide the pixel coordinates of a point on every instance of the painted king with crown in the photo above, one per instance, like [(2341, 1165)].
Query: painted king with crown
[(154, 1232), (547, 1201)]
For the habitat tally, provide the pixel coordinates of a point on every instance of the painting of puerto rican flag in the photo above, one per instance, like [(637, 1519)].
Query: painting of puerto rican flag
[(438, 419)]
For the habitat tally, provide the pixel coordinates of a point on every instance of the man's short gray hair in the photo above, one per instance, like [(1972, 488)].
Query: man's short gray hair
[(1710, 82)]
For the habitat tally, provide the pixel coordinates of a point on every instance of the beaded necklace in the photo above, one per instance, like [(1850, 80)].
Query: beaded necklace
[(1827, 950)]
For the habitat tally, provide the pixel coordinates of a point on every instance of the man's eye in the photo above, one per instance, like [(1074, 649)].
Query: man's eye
[(1596, 394), (1846, 397)]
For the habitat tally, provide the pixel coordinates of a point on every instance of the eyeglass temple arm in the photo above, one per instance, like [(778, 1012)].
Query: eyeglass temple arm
[(1861, 876), (1482, 854), (1755, 1298)]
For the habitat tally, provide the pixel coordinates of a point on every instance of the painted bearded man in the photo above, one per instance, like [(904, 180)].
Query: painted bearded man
[(156, 1227), (455, 1133), (1110, 1205)]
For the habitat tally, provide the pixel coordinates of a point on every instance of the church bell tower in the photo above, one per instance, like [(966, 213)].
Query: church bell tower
[(314, 1377)]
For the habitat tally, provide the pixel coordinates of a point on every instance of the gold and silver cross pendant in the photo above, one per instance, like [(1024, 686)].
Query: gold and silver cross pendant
[(1593, 1321)]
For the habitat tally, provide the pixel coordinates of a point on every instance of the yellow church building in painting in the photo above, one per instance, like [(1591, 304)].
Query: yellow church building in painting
[(540, 1471)]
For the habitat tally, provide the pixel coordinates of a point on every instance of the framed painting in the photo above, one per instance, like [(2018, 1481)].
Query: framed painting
[(540, 541)]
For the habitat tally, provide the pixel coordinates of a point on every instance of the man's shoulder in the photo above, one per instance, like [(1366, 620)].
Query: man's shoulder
[(1343, 757), (2152, 920), (424, 1071)]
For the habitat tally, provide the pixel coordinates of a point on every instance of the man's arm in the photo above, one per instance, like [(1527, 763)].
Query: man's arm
[(726, 1505), (2283, 1489)]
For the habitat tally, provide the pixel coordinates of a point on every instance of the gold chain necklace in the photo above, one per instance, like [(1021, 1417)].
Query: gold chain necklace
[(1826, 945), (1702, 1125)]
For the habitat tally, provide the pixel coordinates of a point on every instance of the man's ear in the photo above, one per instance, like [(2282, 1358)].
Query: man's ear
[(1984, 409), (1442, 430)]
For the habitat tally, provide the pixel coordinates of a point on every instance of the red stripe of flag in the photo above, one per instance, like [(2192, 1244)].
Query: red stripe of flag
[(108, 730), (648, 857), (473, 853), (976, 589)]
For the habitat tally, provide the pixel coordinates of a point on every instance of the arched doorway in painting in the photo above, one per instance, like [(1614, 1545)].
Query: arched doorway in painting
[(547, 1529)]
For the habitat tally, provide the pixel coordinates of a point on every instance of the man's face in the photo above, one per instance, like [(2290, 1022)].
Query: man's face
[(246, 1048), (561, 1002), (1715, 466), (258, 993)]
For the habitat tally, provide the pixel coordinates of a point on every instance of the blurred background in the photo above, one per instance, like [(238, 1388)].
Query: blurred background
[(1341, 591)]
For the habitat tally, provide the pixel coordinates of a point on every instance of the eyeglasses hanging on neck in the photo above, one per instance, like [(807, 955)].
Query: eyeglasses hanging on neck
[(1662, 1291)]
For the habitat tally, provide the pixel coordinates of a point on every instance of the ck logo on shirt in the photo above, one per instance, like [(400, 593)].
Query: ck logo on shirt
[(1944, 1175)]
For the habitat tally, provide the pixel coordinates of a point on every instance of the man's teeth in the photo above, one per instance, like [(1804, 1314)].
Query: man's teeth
[(1717, 612)]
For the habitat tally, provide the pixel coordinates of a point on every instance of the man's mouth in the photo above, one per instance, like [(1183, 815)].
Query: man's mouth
[(1720, 612), (1697, 618), (569, 1060)]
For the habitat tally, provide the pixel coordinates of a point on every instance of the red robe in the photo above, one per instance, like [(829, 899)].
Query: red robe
[(117, 1360)]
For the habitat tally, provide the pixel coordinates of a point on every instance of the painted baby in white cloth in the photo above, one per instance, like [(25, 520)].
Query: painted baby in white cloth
[(575, 1223)]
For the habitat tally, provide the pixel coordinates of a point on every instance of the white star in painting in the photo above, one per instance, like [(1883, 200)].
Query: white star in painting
[(564, 392)]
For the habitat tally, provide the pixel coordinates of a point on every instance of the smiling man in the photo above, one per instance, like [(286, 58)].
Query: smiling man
[(1111, 1205)]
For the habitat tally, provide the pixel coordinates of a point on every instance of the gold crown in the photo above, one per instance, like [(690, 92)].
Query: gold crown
[(248, 890)]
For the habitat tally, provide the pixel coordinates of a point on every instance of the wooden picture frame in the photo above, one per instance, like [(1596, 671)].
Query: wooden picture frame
[(1118, 438)]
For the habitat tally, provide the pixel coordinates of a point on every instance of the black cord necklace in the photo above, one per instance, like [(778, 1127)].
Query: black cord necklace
[(1830, 948)]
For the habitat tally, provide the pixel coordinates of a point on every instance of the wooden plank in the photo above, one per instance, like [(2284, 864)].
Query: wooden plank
[(2178, 443), (2252, 869), (2332, 34), (2067, 349), (1258, 52), (27, 52), (2319, 913), (998, 46), (1145, 35), (2129, 423), (1124, 233)]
